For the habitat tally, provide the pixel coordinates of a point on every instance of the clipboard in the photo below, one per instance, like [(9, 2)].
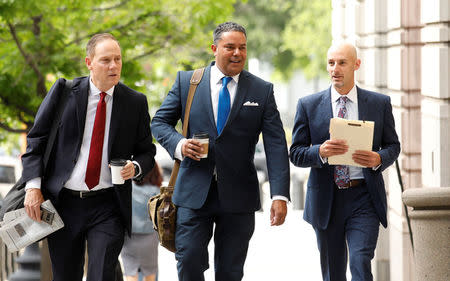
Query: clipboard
[(357, 133)]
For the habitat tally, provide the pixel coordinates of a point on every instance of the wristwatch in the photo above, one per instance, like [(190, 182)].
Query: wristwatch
[(136, 169)]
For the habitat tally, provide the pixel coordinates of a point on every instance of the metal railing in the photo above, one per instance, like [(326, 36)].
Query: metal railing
[(7, 262)]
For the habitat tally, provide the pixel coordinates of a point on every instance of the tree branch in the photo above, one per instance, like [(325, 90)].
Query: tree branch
[(143, 55), (117, 27), (41, 90), (12, 130), (23, 109), (111, 7)]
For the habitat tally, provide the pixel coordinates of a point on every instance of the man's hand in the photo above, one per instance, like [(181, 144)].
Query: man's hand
[(127, 171), (278, 212), (366, 158), (192, 148), (32, 202), (333, 147)]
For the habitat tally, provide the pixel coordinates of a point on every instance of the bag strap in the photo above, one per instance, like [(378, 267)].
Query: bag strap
[(59, 111), (195, 80)]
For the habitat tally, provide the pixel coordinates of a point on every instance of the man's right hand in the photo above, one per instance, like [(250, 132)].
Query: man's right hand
[(192, 148), (333, 147), (32, 203)]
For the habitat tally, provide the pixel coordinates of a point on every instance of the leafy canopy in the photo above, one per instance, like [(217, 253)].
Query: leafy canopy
[(43, 40), (290, 34)]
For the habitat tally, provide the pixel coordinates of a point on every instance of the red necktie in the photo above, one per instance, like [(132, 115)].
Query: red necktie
[(95, 152)]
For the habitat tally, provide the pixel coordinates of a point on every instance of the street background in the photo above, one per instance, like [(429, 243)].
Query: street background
[(287, 252)]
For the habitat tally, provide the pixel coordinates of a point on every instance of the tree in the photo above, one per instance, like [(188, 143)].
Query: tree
[(43, 40), (290, 34)]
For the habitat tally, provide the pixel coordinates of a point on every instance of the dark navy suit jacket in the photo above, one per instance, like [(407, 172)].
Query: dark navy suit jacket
[(232, 151), (129, 138), (311, 129)]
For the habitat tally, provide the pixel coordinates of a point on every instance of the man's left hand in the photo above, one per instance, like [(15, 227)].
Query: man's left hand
[(278, 212), (127, 171), (366, 158)]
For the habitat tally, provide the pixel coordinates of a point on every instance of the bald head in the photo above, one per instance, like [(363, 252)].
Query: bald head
[(342, 63), (345, 48)]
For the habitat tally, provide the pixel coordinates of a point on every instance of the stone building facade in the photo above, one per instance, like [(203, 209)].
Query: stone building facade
[(405, 52)]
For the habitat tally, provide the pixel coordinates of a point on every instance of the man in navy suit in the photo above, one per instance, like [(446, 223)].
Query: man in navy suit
[(344, 204), (233, 107), (102, 120)]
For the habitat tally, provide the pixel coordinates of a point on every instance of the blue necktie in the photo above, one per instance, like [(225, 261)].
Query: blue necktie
[(223, 108), (341, 172)]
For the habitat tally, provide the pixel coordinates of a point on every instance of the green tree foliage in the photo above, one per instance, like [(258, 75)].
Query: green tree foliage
[(290, 34), (43, 40)]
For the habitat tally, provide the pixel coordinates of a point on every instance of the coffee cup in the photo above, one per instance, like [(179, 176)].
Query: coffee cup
[(116, 167), (203, 138)]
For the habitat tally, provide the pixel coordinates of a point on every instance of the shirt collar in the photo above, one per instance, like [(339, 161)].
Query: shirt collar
[(352, 95), (93, 90), (217, 75)]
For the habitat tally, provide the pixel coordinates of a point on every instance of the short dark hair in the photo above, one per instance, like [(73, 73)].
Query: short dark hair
[(226, 27), (97, 38)]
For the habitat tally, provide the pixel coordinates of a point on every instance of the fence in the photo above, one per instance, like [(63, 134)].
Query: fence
[(7, 262)]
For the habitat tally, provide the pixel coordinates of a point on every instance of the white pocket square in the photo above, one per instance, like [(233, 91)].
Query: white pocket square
[(249, 103)]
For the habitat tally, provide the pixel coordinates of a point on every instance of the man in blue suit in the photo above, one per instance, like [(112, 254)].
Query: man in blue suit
[(344, 204), (233, 107)]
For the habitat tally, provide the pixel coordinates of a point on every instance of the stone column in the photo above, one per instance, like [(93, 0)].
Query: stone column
[(430, 220)]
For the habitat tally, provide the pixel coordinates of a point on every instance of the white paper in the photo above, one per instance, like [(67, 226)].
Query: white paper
[(18, 230), (357, 133)]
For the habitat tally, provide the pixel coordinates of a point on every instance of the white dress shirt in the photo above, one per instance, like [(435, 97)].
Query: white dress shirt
[(76, 180)]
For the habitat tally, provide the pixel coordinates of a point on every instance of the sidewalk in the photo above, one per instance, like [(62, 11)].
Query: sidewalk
[(288, 252)]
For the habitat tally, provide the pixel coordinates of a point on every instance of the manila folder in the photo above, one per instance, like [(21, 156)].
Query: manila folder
[(357, 133)]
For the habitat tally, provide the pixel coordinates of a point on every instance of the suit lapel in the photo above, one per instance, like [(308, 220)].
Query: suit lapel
[(327, 105), (203, 94), (241, 92), (116, 113), (363, 105), (80, 93)]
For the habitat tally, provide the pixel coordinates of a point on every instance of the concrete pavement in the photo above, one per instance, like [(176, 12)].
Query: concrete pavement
[(288, 252)]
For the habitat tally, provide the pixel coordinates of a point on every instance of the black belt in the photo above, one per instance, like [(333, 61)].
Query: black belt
[(352, 183), (86, 194)]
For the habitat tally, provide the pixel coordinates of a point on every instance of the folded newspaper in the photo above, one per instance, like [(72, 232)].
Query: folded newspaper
[(18, 230)]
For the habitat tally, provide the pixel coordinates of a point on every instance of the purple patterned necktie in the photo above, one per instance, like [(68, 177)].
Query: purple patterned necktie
[(341, 172)]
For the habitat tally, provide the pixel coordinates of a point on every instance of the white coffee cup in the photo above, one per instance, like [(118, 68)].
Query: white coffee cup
[(203, 138), (116, 167)]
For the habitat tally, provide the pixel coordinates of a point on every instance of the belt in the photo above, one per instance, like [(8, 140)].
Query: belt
[(86, 194), (352, 183)]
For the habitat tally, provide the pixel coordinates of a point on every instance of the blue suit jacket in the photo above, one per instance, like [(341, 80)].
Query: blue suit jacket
[(233, 150), (129, 138), (311, 129)]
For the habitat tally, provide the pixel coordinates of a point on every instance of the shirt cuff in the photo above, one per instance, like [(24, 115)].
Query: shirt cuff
[(376, 168), (177, 154), (140, 170), (33, 183), (280, 197), (324, 160)]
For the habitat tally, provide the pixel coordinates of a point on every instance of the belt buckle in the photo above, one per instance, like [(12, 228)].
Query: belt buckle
[(81, 195)]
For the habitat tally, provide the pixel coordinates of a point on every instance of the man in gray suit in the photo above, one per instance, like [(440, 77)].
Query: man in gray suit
[(233, 107), (344, 204)]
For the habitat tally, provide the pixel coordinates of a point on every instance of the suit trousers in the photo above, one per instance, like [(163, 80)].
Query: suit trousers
[(194, 230), (95, 220), (354, 225)]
